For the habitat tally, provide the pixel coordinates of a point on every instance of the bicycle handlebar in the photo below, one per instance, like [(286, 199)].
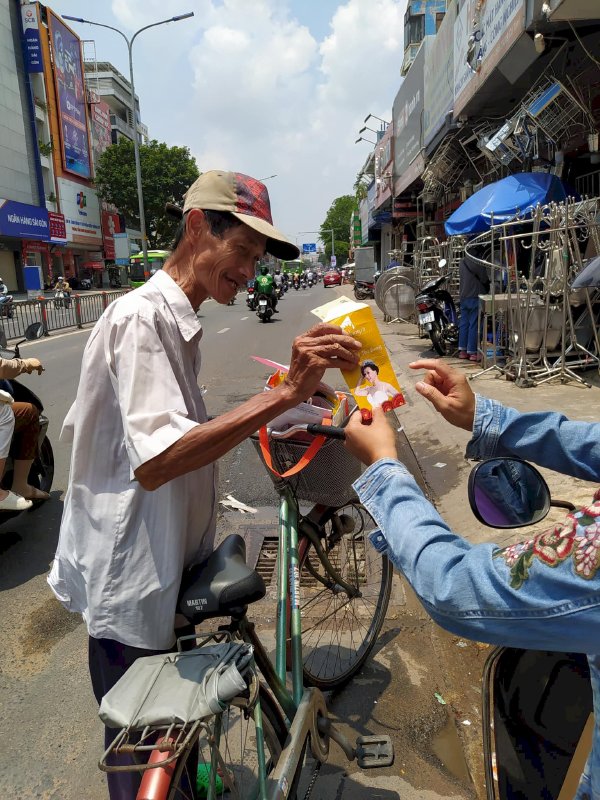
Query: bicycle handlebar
[(330, 431)]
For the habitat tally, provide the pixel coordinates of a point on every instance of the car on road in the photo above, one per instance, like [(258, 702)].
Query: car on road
[(332, 278)]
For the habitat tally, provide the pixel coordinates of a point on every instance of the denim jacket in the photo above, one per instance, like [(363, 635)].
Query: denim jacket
[(541, 594)]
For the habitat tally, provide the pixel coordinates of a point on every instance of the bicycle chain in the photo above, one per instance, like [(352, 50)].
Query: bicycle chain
[(312, 781)]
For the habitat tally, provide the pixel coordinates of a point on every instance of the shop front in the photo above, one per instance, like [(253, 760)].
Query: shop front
[(81, 210)]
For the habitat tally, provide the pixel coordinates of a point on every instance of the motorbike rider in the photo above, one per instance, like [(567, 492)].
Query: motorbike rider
[(5, 297), (278, 279), (540, 594), (264, 284)]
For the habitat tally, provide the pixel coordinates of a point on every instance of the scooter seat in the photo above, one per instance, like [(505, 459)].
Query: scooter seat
[(222, 585)]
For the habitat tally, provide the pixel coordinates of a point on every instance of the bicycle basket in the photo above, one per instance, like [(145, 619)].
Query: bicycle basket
[(327, 479)]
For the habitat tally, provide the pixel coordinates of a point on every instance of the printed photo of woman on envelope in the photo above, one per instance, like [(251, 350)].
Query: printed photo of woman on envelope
[(376, 391)]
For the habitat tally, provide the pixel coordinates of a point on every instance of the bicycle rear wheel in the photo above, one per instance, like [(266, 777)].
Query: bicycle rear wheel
[(238, 750), (339, 631)]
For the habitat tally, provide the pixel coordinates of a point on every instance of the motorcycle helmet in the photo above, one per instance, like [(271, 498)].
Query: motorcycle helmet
[(60, 277), (264, 270)]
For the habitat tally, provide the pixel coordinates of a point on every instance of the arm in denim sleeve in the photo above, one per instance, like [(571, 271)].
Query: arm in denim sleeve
[(463, 587), (543, 437)]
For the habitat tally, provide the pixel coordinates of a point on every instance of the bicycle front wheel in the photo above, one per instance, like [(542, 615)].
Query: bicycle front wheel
[(237, 774), (339, 630)]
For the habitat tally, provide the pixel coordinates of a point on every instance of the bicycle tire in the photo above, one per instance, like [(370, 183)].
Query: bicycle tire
[(339, 632), (244, 773)]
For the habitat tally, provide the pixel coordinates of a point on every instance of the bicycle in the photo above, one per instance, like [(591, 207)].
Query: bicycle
[(264, 738)]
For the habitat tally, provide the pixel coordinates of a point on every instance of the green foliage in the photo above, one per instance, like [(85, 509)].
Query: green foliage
[(341, 251), (338, 217), (167, 173)]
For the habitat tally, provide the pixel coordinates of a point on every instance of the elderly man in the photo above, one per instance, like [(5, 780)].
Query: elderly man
[(141, 501)]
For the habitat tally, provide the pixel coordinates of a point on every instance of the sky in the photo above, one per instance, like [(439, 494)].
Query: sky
[(264, 87)]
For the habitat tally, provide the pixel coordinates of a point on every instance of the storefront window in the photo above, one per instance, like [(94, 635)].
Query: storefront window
[(414, 29)]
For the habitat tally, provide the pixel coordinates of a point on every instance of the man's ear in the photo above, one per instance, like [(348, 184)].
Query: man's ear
[(195, 224)]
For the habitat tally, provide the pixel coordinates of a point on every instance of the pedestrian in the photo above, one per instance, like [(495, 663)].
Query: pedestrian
[(482, 591), (474, 280), (142, 495)]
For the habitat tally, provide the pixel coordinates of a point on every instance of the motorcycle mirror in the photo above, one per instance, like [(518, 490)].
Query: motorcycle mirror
[(508, 493), (3, 340), (442, 263), (34, 331)]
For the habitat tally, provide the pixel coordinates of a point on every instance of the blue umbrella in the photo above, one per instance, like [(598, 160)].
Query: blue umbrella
[(519, 193), (589, 277)]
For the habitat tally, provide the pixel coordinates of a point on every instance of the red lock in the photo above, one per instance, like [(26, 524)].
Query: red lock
[(387, 406), (366, 415)]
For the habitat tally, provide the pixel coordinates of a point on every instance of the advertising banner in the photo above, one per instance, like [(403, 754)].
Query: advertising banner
[(31, 32), (384, 157), (100, 129), (82, 212), (407, 117), (497, 27), (23, 221), (110, 225), (70, 91), (439, 78), (58, 231)]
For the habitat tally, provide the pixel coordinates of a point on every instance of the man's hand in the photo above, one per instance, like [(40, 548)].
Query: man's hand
[(371, 442), (33, 365), (322, 347), (448, 391)]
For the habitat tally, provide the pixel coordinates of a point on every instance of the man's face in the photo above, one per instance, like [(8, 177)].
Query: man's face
[(228, 263)]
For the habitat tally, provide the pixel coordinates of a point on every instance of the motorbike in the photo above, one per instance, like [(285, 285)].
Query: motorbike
[(364, 290), (280, 291), (62, 299), (303, 283), (438, 315), (115, 283), (537, 706), (251, 298), (42, 469), (296, 285), (264, 309), (86, 283), (7, 306)]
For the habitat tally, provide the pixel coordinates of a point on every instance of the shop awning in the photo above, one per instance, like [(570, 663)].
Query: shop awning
[(503, 200)]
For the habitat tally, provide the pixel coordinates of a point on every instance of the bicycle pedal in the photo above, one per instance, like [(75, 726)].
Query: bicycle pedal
[(374, 751)]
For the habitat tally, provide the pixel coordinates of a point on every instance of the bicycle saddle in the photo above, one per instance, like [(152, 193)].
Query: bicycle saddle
[(222, 585)]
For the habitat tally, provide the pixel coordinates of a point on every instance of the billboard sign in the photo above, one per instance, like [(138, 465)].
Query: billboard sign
[(70, 91), (407, 118), (439, 77), (100, 129), (81, 209), (58, 231), (384, 154), (310, 247), (31, 34), (23, 221), (111, 225), (492, 31)]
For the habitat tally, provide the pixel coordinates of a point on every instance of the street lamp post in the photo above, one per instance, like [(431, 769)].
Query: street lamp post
[(136, 146)]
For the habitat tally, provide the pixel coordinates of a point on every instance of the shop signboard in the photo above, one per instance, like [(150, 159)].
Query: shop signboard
[(100, 129), (31, 34), (407, 118), (364, 220), (111, 225), (23, 221), (497, 26), (384, 157), (82, 212), (439, 77), (70, 91)]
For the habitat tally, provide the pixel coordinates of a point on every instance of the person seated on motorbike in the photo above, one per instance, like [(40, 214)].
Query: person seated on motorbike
[(9, 501), (541, 594), (62, 285), (264, 284), (278, 279), (3, 291)]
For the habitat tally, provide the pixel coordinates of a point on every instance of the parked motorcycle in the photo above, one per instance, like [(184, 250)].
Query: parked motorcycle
[(7, 308), (364, 290), (264, 309), (536, 705), (438, 315), (86, 283), (42, 469), (115, 283)]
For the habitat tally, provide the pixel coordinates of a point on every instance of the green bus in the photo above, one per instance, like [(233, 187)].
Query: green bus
[(156, 260), (292, 266)]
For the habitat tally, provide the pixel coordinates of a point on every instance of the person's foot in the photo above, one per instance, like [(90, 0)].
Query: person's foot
[(475, 357), (31, 493), (14, 502), (463, 354)]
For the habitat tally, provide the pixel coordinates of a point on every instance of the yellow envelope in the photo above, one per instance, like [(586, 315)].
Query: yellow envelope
[(373, 383)]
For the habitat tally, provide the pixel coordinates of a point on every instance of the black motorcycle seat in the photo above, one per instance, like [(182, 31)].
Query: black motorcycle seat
[(221, 585)]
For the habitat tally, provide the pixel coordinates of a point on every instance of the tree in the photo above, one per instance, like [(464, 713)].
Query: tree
[(341, 251), (167, 173), (338, 217)]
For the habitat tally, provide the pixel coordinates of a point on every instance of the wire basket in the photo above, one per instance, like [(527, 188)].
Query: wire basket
[(326, 480)]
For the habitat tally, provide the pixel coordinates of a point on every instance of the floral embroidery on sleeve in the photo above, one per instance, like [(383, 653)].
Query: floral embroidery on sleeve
[(578, 536)]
